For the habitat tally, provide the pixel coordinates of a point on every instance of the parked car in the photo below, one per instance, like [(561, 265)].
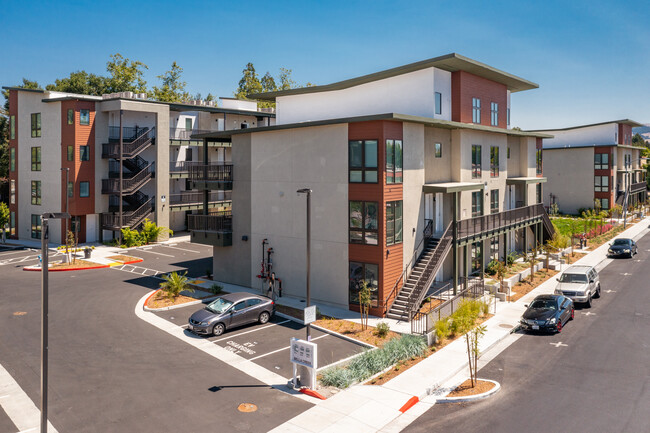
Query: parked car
[(580, 283), (547, 313), (622, 247), (230, 311)]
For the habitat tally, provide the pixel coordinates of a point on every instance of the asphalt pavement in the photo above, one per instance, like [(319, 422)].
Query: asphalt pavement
[(593, 377)]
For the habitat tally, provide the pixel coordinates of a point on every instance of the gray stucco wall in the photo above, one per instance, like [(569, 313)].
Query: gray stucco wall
[(570, 175)]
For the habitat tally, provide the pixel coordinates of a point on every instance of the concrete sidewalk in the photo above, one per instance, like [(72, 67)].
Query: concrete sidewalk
[(370, 408)]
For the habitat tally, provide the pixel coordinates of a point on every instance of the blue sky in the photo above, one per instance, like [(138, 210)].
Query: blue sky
[(590, 58)]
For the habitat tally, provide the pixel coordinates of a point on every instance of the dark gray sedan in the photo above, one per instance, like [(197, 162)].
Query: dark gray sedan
[(622, 247), (230, 311)]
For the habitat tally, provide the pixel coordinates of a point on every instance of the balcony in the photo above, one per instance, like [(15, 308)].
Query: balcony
[(214, 175), (193, 200), (638, 187), (214, 229)]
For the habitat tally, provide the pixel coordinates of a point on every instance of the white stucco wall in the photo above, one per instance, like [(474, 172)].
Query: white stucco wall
[(412, 196), (442, 84), (589, 135)]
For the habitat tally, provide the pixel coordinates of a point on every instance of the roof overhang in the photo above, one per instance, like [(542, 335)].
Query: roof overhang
[(448, 187), (450, 62), (524, 180), (632, 123), (22, 89)]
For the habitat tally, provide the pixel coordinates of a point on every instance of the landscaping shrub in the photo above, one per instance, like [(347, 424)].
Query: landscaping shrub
[(510, 258), (131, 238), (599, 231), (559, 241), (151, 232), (442, 328), (215, 289), (381, 330), (174, 284), (492, 268)]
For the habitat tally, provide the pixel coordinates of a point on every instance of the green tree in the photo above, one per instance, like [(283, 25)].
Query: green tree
[(81, 82), (286, 82), (364, 303), (268, 83), (4, 220), (249, 83), (174, 284), (638, 140), (125, 75), (531, 259), (172, 88)]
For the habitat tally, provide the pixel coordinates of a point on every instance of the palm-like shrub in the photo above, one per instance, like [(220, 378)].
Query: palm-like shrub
[(174, 284)]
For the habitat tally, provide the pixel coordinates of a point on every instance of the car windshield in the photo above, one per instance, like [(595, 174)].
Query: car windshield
[(546, 304), (573, 278), (219, 305), (622, 242)]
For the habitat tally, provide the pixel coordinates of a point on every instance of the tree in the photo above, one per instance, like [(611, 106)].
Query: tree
[(174, 284), (364, 303), (286, 82), (249, 83), (268, 83), (4, 220), (531, 259), (172, 88), (500, 272), (125, 75), (80, 82), (638, 140)]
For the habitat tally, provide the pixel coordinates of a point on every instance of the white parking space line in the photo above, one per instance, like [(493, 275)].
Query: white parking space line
[(7, 253), (285, 348), (252, 330), (28, 430), (182, 249), (160, 254)]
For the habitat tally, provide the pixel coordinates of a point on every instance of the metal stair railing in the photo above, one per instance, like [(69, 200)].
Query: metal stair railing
[(131, 148), (131, 184), (129, 219)]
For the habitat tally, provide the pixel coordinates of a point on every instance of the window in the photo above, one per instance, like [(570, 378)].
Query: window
[(84, 189), (252, 302), (13, 127), (70, 153), (394, 222), (84, 117), (36, 159), (188, 124), (363, 161), (494, 161), (477, 257), (36, 192), (12, 224), (70, 189), (12, 191), (604, 204), (538, 160), (494, 114), (70, 116), (188, 154), (538, 193), (476, 110), (438, 150), (36, 226), (476, 161), (477, 203), (393, 161), (601, 183), (438, 103), (36, 125), (363, 222), (84, 153), (13, 159), (494, 201), (601, 161), (360, 272), (508, 116), (75, 224), (508, 153), (494, 248)]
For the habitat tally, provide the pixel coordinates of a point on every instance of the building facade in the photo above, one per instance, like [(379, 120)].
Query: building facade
[(415, 178), (593, 166), (124, 158)]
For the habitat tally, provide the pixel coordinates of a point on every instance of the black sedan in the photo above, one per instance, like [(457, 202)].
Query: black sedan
[(547, 313), (230, 311), (622, 247)]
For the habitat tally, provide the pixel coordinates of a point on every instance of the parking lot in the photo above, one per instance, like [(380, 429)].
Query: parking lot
[(268, 345)]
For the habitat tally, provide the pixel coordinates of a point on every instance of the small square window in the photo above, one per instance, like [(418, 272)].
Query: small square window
[(84, 189), (70, 116), (438, 150), (84, 117)]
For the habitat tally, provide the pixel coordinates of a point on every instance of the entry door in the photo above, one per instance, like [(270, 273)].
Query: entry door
[(438, 227)]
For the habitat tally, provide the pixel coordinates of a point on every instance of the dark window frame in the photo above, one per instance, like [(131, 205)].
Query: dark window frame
[(494, 201), (476, 110), (363, 230), (84, 155), (70, 116), (494, 161), (84, 117), (36, 158), (70, 152), (477, 203), (36, 125), (36, 226), (12, 156), (599, 164), (394, 161), (395, 235), (598, 184), (36, 193), (539, 162), (81, 189), (355, 286), (12, 122), (438, 150), (438, 102), (363, 169), (70, 189), (538, 193), (476, 161), (494, 114)]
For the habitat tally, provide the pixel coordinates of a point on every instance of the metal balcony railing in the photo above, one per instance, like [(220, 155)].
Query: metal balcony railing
[(218, 222), (638, 187), (194, 197), (210, 172), (186, 134), (479, 225)]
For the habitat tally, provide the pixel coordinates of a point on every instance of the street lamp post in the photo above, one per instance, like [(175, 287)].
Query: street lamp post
[(67, 173), (308, 192), (44, 310)]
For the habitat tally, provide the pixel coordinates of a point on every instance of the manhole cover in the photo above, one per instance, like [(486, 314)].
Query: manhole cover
[(247, 407), (20, 313), (505, 325)]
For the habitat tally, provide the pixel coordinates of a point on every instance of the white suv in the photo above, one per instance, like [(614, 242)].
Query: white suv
[(580, 283)]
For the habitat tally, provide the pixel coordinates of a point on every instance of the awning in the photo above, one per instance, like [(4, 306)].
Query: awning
[(524, 180), (447, 187)]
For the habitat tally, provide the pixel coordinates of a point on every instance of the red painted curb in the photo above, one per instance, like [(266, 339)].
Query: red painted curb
[(146, 301), (133, 261), (86, 268), (409, 404), (312, 393)]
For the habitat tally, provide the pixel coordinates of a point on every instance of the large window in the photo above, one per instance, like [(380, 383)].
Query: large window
[(363, 222), (12, 165), (601, 161), (539, 162), (438, 102), (36, 192), (438, 150), (36, 226), (363, 161), (84, 189), (70, 116), (476, 161), (494, 161), (393, 161), (601, 183), (476, 110), (494, 114), (13, 127), (360, 272), (84, 153), (494, 201), (477, 203), (394, 227), (84, 117), (604, 203), (36, 125), (36, 158)]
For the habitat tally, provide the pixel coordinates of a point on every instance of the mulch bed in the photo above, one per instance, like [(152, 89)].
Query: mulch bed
[(525, 286), (78, 264), (160, 300), (465, 389), (121, 258)]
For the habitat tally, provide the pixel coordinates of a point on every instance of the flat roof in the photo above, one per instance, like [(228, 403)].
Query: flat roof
[(580, 146), (632, 123), (447, 187), (450, 62), (524, 180), (446, 124), (23, 89)]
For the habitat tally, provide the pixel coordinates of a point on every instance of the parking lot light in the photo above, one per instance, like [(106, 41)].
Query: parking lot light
[(307, 191)]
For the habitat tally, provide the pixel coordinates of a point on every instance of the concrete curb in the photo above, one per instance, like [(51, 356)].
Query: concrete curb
[(469, 398), (99, 266)]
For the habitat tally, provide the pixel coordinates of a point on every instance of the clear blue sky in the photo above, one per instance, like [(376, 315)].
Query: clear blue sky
[(590, 58)]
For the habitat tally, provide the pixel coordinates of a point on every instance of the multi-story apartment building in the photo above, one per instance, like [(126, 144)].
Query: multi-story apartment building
[(591, 166), (415, 177), (125, 159)]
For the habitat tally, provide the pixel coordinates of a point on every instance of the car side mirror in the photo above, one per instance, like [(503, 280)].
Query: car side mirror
[(526, 305), (557, 279)]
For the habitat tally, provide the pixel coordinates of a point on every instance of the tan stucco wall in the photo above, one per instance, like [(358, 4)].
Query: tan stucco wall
[(570, 174), (437, 169), (415, 143)]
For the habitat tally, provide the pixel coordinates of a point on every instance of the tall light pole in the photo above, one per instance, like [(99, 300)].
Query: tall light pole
[(45, 311), (308, 192), (67, 210)]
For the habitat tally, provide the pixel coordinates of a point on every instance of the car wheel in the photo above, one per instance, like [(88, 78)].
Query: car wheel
[(573, 313), (558, 328), (588, 303), (264, 317), (597, 294), (218, 329)]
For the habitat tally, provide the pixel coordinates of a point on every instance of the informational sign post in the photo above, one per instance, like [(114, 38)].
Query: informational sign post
[(310, 314), (304, 353)]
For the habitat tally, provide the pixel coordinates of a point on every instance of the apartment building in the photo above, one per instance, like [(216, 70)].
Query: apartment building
[(415, 175), (125, 158), (591, 166)]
